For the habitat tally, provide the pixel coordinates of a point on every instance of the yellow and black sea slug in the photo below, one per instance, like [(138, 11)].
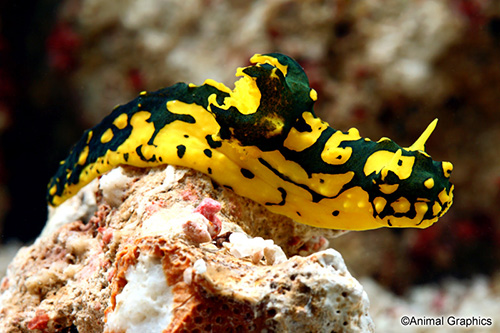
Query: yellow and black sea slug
[(263, 141)]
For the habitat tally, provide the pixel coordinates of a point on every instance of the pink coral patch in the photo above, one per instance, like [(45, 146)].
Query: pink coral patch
[(208, 208)]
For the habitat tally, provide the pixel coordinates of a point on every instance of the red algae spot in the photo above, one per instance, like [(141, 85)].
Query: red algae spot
[(5, 283), (314, 244), (189, 195), (155, 206), (208, 208), (39, 322), (111, 274), (107, 235)]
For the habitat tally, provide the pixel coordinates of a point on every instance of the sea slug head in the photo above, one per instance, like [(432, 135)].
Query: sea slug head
[(409, 189)]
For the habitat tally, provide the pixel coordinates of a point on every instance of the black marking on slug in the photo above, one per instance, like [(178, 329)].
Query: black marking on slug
[(316, 196), (283, 198), (181, 150), (138, 150), (247, 173), (302, 126), (212, 143)]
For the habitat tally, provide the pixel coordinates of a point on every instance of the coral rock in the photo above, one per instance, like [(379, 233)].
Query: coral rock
[(132, 265)]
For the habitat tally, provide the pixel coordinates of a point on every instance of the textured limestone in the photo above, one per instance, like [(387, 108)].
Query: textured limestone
[(219, 291), (131, 264)]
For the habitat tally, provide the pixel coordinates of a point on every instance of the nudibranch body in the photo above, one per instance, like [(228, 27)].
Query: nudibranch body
[(263, 140)]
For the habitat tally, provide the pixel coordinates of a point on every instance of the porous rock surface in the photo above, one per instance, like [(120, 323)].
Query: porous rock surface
[(129, 254)]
